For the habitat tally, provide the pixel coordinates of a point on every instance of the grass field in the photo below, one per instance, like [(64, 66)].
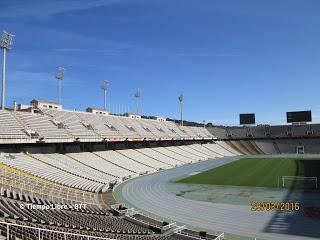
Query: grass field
[(259, 172)]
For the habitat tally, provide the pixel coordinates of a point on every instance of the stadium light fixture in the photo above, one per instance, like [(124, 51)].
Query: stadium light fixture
[(181, 100), (105, 87), (60, 77), (137, 95), (6, 42)]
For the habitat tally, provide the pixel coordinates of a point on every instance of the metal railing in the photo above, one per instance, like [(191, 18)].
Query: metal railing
[(51, 190), (40, 231), (220, 237)]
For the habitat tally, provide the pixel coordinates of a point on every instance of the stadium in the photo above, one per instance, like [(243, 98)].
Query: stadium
[(111, 173), (81, 174)]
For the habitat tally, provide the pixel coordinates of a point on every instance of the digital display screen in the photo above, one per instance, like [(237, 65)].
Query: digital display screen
[(300, 116), (247, 118)]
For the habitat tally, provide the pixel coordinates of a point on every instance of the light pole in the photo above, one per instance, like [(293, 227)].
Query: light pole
[(105, 87), (204, 123), (5, 43), (137, 95), (181, 99), (60, 77)]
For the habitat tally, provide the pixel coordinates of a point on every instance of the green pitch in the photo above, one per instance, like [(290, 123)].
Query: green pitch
[(258, 172)]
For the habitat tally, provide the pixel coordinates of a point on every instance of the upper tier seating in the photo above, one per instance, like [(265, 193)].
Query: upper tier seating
[(99, 123), (188, 131), (125, 131), (151, 125), (10, 127), (201, 132), (42, 125), (164, 129), (138, 128), (73, 124), (52, 125), (176, 129)]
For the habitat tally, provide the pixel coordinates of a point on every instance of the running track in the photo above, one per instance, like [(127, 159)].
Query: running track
[(149, 193)]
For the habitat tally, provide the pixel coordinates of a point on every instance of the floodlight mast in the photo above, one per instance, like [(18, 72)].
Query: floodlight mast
[(5, 43), (105, 87), (60, 77), (137, 95), (181, 99)]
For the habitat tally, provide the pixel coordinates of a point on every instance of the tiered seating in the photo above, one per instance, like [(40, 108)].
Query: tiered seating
[(287, 146), (166, 151), (96, 162), (301, 130), (218, 149), (202, 132), (68, 126), (10, 208), (124, 162), (31, 165), (230, 149), (164, 129), (74, 125), (42, 125), (261, 131), (144, 159), (138, 128), (21, 185), (175, 129), (90, 172), (18, 232), (99, 124), (160, 157), (266, 146), (151, 125), (10, 127), (188, 131), (199, 155), (219, 132), (184, 153), (311, 145), (64, 162), (201, 148), (124, 130)]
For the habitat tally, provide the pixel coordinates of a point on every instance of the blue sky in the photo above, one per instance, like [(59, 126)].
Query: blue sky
[(226, 56)]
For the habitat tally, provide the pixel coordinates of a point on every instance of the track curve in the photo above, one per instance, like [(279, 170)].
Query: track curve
[(150, 194)]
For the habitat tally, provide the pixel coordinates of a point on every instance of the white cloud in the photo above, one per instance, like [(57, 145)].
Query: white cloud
[(50, 8), (211, 55), (27, 77)]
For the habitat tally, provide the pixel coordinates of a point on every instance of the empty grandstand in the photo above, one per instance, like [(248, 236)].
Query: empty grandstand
[(52, 161), (74, 160)]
